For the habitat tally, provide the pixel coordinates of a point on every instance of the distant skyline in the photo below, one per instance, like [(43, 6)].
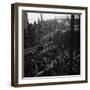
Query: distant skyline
[(32, 17)]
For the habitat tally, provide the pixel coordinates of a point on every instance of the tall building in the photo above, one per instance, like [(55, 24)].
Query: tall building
[(25, 20)]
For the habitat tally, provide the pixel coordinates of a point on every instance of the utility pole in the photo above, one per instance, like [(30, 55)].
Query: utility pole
[(41, 27)]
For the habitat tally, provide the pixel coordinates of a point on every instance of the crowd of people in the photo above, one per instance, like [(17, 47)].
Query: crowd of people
[(51, 60)]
